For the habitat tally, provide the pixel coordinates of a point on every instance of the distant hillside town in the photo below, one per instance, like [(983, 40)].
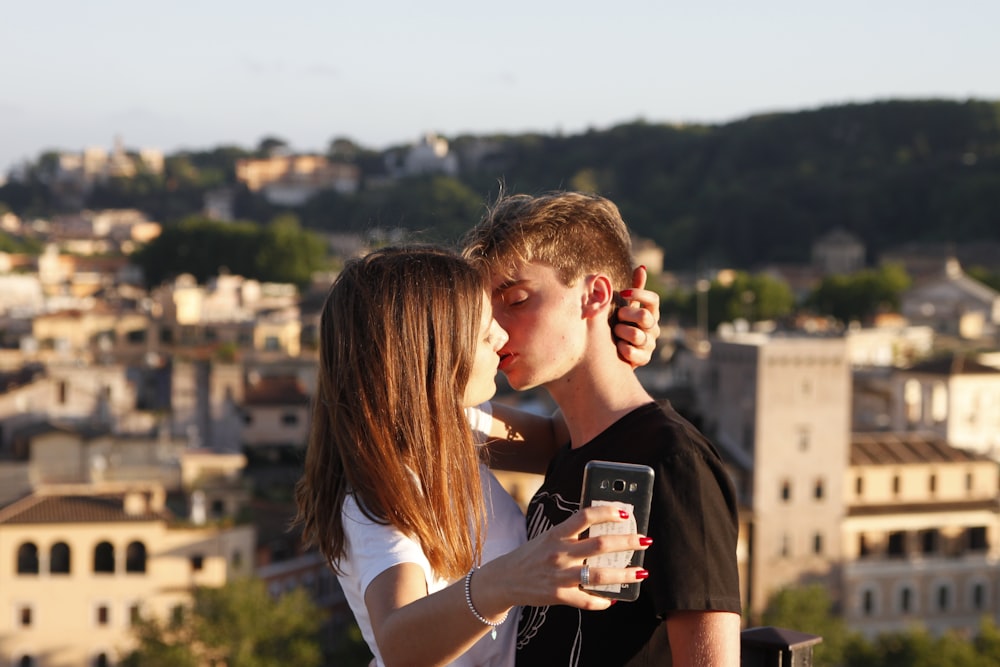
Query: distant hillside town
[(150, 434)]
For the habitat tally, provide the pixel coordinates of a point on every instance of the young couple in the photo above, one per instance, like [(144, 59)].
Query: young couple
[(429, 549)]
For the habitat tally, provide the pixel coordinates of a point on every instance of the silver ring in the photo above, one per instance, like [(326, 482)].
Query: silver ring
[(585, 575)]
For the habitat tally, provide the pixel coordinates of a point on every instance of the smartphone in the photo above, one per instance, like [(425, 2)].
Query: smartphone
[(629, 487)]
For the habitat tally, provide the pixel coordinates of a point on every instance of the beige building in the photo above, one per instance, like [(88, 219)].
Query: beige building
[(900, 525), (838, 252), (290, 180), (780, 411), (953, 303), (954, 396), (77, 568), (920, 539)]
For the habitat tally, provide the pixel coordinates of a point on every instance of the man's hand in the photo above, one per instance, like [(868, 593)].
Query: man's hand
[(638, 324)]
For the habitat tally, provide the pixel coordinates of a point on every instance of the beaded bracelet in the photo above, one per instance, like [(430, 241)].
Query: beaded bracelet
[(475, 612)]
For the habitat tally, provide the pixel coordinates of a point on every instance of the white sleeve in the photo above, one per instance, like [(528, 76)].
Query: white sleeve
[(374, 548), (480, 419)]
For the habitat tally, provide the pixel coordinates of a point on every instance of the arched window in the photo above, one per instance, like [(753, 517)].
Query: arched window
[(59, 558), (135, 557), (101, 660), (27, 558), (104, 557), (26, 661)]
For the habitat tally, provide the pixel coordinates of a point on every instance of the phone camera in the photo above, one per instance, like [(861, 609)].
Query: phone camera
[(618, 485)]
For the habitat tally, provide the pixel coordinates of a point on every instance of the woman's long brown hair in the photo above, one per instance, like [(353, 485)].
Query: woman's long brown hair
[(398, 334)]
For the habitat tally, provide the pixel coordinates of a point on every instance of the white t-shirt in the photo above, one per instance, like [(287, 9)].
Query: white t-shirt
[(372, 549)]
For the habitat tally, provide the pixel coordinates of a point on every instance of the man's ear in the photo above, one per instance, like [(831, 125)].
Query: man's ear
[(599, 298)]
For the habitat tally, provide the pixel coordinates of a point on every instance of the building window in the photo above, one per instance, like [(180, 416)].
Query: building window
[(25, 616), (27, 558), (289, 419), (786, 547), (896, 484), (943, 597), (818, 543), (868, 602), (818, 490), (906, 600), (101, 660), (271, 343), (968, 481), (977, 539), (939, 403), (103, 614), (864, 549), (134, 614), (197, 562), (803, 438), (26, 661), (59, 560), (897, 545), (978, 597), (859, 485), (929, 540), (932, 484), (104, 557), (786, 490), (62, 390), (135, 557)]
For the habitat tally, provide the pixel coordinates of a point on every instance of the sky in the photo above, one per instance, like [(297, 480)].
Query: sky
[(194, 75)]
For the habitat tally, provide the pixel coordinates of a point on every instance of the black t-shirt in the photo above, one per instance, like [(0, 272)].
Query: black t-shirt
[(692, 561)]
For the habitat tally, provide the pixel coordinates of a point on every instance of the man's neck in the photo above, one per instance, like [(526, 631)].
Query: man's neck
[(595, 395)]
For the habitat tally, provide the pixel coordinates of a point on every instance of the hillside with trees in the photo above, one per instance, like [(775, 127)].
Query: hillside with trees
[(739, 194)]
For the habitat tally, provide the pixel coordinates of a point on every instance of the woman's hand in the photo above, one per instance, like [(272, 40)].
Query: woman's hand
[(547, 569), (638, 322)]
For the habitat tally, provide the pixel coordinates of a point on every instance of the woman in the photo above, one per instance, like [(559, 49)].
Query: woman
[(394, 492)]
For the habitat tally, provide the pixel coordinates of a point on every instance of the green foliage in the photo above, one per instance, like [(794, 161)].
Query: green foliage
[(15, 245), (279, 252), (985, 276), (753, 297), (861, 295), (238, 625), (809, 609)]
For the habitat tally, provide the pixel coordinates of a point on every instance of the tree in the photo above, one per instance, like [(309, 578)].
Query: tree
[(810, 609), (238, 625), (861, 295)]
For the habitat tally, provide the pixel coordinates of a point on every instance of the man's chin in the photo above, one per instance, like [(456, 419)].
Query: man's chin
[(519, 384)]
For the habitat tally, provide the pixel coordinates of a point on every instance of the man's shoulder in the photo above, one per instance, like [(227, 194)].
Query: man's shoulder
[(661, 432)]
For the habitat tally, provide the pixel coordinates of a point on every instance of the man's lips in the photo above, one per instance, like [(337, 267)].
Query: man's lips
[(505, 360)]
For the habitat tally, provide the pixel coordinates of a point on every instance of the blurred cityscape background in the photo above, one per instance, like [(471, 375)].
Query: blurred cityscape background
[(821, 219), (830, 311)]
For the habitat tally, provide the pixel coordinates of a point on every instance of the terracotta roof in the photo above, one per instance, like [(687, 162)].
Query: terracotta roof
[(954, 363), (72, 509), (885, 448)]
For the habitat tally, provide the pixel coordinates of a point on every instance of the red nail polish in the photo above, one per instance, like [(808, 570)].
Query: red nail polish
[(613, 602), (642, 266), (623, 514), (642, 574), (645, 541), (626, 293)]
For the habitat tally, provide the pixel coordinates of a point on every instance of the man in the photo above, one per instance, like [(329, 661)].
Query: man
[(557, 264)]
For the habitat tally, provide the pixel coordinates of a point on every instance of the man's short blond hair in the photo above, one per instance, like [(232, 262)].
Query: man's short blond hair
[(578, 234)]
